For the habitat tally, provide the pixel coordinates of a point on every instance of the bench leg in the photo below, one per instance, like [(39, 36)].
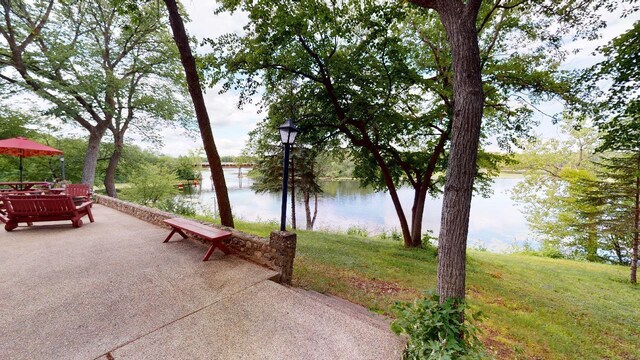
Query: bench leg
[(216, 244), (222, 247), (89, 213), (76, 222), (173, 231), (10, 225), (211, 249)]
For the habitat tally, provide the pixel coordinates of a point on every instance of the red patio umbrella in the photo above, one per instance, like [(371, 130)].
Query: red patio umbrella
[(24, 147)]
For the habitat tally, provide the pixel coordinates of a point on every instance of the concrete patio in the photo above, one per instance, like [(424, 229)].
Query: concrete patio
[(112, 290)]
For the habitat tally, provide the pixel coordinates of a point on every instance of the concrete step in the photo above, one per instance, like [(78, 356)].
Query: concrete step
[(347, 308), (268, 321)]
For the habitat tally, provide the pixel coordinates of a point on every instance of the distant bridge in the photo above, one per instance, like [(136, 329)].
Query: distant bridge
[(231, 165)]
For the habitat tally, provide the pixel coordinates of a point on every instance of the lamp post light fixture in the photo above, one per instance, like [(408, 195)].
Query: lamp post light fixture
[(288, 133), (62, 162)]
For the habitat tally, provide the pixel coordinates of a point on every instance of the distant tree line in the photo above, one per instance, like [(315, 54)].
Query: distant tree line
[(50, 167)]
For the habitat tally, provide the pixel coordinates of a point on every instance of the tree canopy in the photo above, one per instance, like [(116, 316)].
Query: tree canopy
[(619, 118), (364, 74), (93, 67)]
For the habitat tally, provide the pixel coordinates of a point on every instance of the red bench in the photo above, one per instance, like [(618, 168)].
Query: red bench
[(36, 208), (179, 225), (78, 190)]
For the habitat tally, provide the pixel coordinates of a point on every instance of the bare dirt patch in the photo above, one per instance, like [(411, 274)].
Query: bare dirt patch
[(376, 286), (496, 348)]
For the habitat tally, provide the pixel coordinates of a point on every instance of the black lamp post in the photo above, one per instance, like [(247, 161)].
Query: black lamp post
[(288, 133), (62, 162)]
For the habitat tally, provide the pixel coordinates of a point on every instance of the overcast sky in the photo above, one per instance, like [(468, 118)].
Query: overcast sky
[(231, 125)]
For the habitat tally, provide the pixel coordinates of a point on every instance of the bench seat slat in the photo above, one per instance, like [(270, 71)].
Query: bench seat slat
[(206, 232), (197, 228)]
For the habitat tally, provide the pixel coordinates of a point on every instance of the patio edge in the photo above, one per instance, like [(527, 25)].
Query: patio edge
[(276, 253)]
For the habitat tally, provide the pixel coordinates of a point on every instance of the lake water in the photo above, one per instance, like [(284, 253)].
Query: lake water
[(495, 223)]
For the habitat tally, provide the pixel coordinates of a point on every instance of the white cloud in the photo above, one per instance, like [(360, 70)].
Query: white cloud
[(177, 142), (585, 56), (223, 110), (205, 24)]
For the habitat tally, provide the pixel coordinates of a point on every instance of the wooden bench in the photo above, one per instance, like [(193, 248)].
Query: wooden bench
[(208, 233), (37, 208)]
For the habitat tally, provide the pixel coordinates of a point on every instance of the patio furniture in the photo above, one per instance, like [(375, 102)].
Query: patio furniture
[(23, 147), (24, 192), (205, 232), (78, 190), (38, 208), (22, 186)]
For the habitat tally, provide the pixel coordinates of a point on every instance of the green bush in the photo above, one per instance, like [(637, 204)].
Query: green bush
[(357, 231), (179, 207), (429, 239), (436, 331), (552, 252), (151, 184), (547, 250)]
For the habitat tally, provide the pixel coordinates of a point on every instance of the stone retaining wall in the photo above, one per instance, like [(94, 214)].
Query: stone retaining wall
[(276, 253)]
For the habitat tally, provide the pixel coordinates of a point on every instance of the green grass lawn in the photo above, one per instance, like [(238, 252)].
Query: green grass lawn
[(535, 308)]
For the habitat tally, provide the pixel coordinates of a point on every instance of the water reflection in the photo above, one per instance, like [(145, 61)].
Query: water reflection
[(343, 188), (495, 223)]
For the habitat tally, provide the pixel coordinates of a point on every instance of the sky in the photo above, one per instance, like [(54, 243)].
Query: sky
[(230, 125)]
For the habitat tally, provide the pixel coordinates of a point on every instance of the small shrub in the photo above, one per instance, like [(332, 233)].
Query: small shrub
[(357, 231), (178, 207), (546, 250), (479, 247), (150, 185), (395, 235), (428, 238), (552, 252), (434, 330)]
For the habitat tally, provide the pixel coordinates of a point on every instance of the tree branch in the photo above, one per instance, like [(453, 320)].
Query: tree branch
[(292, 71), (429, 4), (36, 30)]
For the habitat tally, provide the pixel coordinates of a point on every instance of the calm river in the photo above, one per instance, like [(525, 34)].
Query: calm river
[(496, 223)]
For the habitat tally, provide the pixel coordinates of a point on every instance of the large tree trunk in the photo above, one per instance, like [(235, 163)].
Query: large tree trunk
[(91, 157), (110, 176), (193, 82), (459, 22)]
